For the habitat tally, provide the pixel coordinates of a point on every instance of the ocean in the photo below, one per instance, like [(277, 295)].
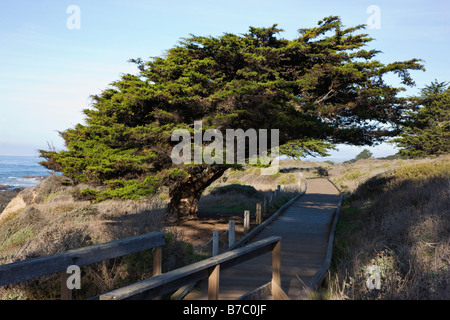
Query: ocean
[(15, 170)]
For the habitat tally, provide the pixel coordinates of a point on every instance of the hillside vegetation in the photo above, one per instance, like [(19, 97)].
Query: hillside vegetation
[(396, 216)]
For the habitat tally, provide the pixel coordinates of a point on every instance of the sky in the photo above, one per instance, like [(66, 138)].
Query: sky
[(54, 55)]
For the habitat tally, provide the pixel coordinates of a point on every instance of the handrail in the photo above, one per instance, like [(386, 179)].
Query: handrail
[(268, 221), (266, 202), (245, 239), (45, 265), (261, 225), (208, 268)]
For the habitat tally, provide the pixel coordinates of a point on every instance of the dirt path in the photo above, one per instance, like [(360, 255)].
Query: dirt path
[(198, 231)]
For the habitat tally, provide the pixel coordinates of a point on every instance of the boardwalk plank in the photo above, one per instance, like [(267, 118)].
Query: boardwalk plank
[(304, 228)]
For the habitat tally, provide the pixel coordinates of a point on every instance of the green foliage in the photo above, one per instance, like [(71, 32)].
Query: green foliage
[(130, 189), (365, 154), (287, 179), (87, 194), (17, 239), (322, 172), (236, 188), (426, 132), (313, 147), (121, 189), (319, 89)]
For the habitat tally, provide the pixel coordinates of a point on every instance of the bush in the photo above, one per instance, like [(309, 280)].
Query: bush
[(365, 154), (399, 222), (235, 188)]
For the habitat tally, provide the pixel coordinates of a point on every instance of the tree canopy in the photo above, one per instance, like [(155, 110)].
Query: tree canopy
[(318, 89), (426, 131), (365, 154)]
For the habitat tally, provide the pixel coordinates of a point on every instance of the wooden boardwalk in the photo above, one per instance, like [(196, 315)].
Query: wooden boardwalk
[(304, 228)]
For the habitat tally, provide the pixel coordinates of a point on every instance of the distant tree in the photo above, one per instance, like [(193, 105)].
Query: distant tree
[(365, 154), (322, 171), (426, 131), (319, 89)]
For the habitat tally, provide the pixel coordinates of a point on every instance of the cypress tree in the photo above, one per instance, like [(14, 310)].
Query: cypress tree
[(319, 89), (426, 130)]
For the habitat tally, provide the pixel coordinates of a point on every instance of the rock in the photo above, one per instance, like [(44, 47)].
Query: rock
[(6, 196), (40, 178), (34, 195), (15, 204), (64, 198)]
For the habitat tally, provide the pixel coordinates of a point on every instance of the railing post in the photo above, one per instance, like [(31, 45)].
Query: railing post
[(215, 243), (213, 283), (157, 261), (266, 206), (66, 293), (276, 266), (231, 233), (258, 213), (246, 221)]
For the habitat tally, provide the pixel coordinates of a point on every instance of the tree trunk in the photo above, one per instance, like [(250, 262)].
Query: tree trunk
[(186, 194)]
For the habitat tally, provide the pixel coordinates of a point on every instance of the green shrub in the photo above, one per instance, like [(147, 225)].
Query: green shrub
[(18, 238), (235, 188), (123, 189)]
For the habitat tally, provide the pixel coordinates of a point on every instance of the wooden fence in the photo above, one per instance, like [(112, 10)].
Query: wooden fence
[(232, 244), (160, 283), (262, 212), (206, 269), (58, 263)]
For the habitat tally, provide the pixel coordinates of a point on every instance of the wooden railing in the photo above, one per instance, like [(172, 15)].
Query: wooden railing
[(160, 283), (183, 291), (45, 265), (262, 218), (206, 269), (251, 234)]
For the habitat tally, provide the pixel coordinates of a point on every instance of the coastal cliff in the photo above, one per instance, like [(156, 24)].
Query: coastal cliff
[(6, 196)]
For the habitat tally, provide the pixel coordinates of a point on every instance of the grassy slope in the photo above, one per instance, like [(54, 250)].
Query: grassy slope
[(54, 221), (399, 220), (240, 190)]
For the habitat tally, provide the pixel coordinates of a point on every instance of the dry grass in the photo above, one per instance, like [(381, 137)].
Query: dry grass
[(397, 217), (349, 176), (244, 189), (236, 200), (53, 221), (398, 220)]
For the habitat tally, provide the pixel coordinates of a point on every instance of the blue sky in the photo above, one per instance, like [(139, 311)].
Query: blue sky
[(48, 71)]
